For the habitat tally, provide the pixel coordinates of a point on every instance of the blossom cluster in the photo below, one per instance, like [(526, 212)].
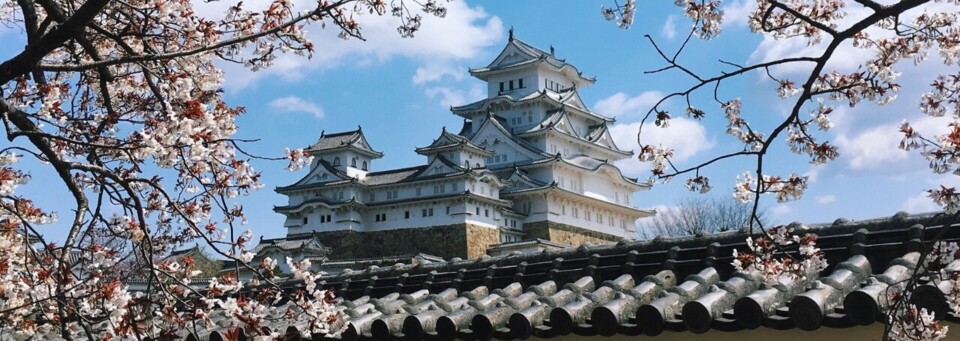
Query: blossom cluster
[(658, 156), (298, 158), (739, 128), (780, 252), (706, 15), (785, 189), (623, 14), (796, 18), (913, 323)]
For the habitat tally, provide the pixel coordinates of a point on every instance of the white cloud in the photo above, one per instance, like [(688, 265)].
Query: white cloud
[(735, 13), (920, 203), (879, 146), (435, 71), (871, 148), (297, 104), (669, 29), (826, 199), (450, 97), (463, 33), (685, 136), (623, 107), (813, 174), (780, 210)]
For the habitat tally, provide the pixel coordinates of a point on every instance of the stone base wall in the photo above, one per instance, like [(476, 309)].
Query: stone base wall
[(567, 234), (458, 240), (479, 238)]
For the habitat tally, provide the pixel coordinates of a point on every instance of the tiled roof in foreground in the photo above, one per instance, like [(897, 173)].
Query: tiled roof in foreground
[(665, 285)]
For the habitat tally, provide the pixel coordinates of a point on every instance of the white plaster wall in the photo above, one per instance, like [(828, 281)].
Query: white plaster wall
[(529, 82), (544, 74), (563, 146), (574, 213)]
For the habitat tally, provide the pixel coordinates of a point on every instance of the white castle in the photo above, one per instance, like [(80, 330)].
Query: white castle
[(531, 162)]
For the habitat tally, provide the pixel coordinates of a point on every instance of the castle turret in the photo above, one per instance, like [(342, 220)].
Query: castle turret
[(348, 152)]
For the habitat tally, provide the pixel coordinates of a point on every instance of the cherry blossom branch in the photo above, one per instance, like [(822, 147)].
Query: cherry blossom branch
[(191, 52)]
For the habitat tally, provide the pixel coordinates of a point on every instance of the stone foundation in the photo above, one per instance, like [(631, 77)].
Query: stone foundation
[(479, 238), (466, 241), (566, 234)]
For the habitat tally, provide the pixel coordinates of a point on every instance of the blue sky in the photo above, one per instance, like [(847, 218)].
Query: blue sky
[(399, 91)]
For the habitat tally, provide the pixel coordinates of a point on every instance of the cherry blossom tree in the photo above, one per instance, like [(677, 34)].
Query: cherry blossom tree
[(895, 35), (122, 100)]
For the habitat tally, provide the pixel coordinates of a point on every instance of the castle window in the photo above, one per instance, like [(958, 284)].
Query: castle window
[(364, 165), (353, 162), (406, 214), (418, 191), (521, 83), (501, 86), (478, 165), (478, 210), (576, 213), (466, 164), (381, 217), (427, 212), (486, 213), (373, 197), (448, 210), (336, 161), (340, 195), (453, 187), (304, 220)]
